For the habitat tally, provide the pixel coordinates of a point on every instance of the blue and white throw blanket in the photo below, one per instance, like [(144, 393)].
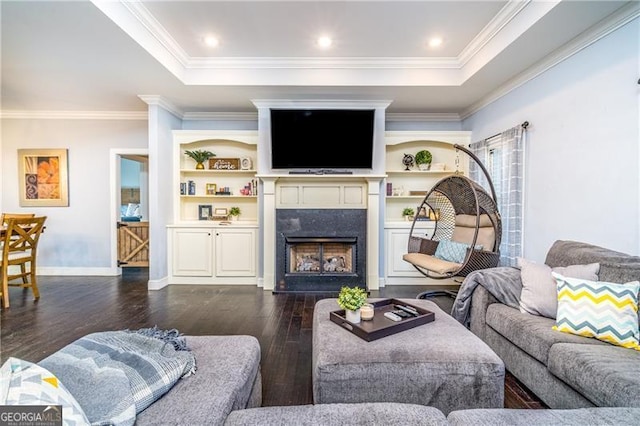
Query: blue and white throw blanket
[(114, 375)]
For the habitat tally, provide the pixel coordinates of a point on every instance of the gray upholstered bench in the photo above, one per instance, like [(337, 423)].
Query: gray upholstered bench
[(440, 364)]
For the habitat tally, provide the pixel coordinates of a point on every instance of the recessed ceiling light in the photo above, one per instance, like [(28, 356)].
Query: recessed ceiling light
[(211, 41), (435, 42), (324, 42)]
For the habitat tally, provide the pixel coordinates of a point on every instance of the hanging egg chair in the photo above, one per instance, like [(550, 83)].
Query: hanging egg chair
[(467, 231)]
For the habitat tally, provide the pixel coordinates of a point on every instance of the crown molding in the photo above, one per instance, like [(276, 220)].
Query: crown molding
[(320, 103), (196, 63), (220, 116), (142, 14), (74, 115), (143, 27), (163, 102), (504, 16), (614, 21), (421, 117)]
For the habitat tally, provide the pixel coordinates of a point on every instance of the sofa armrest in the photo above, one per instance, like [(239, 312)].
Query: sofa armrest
[(503, 282), (480, 301)]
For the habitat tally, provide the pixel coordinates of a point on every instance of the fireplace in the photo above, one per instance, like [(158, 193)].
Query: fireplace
[(320, 250)]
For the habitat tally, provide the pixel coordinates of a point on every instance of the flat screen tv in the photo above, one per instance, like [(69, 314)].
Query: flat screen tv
[(322, 139)]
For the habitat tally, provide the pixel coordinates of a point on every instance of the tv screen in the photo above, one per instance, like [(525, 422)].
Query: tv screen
[(321, 139)]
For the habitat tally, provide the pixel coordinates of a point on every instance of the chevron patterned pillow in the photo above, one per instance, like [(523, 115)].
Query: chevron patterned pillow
[(25, 383), (606, 311)]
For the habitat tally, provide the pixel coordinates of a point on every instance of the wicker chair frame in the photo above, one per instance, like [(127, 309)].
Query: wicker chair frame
[(451, 196)]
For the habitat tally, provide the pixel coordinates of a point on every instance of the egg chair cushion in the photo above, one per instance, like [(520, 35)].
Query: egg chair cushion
[(432, 263)]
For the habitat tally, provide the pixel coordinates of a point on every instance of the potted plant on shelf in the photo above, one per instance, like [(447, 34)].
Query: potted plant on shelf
[(200, 156), (408, 213), (234, 213), (423, 159), (351, 300)]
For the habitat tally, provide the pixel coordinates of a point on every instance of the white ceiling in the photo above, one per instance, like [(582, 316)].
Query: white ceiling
[(102, 55)]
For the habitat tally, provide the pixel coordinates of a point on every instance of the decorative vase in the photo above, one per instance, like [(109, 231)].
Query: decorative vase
[(353, 316), (424, 166), (200, 166), (234, 218)]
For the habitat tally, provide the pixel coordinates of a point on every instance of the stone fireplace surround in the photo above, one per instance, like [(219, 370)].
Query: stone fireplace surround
[(321, 226)]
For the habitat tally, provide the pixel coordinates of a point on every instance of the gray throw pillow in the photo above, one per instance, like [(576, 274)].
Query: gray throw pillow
[(539, 289)]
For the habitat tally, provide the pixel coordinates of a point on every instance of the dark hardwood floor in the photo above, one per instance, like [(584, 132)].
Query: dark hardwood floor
[(71, 307)]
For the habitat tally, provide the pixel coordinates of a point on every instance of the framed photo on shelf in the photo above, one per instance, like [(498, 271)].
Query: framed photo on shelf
[(221, 211), (211, 188), (204, 211), (43, 177)]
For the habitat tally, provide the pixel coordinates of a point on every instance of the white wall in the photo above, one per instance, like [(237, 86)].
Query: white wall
[(76, 240), (583, 177), (161, 187)]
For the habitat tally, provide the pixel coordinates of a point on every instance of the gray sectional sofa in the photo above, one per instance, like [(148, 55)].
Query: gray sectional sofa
[(564, 370), (570, 373)]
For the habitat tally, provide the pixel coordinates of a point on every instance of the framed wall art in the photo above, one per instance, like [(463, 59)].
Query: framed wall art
[(43, 177)]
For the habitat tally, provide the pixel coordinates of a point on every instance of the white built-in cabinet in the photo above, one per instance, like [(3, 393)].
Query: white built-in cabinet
[(192, 252), (408, 188), (213, 251), (212, 254), (209, 252)]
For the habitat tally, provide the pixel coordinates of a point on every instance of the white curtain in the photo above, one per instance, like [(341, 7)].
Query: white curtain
[(503, 157)]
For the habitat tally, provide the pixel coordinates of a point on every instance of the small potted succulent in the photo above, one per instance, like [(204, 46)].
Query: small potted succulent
[(351, 300), (408, 213), (423, 159), (234, 213), (200, 156)]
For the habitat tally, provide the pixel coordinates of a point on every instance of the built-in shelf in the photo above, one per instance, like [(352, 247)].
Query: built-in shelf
[(421, 172), (217, 172), (219, 196)]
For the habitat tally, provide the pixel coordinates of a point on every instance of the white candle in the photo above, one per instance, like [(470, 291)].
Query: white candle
[(366, 312)]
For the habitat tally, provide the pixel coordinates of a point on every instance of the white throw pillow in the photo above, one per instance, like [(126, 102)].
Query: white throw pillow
[(539, 289), (25, 383)]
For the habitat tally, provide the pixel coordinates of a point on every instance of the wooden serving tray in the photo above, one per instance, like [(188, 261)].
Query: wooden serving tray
[(381, 326)]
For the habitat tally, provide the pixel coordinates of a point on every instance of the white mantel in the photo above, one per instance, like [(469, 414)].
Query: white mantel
[(318, 192)]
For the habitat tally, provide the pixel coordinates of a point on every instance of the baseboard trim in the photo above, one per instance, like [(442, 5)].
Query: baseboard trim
[(158, 284), (74, 271)]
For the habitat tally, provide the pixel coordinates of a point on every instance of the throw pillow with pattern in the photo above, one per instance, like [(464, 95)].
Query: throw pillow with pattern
[(606, 311)]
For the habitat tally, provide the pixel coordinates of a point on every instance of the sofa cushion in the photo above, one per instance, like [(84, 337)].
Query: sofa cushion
[(380, 413), (564, 253), (515, 417), (619, 272), (228, 367), (608, 375), (539, 289), (531, 333), (606, 311)]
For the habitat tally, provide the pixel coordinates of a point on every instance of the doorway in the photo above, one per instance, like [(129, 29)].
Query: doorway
[(130, 208)]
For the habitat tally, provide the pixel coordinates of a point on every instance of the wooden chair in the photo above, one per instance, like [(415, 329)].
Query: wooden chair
[(20, 243), (3, 222), (7, 216)]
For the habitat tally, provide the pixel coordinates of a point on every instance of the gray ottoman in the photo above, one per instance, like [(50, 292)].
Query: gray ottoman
[(388, 414), (577, 417), (228, 378), (440, 364)]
